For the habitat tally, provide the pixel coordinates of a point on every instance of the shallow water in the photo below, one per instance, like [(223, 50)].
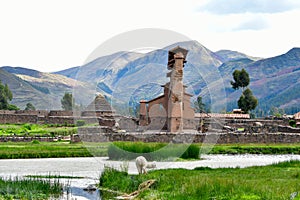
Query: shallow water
[(90, 168)]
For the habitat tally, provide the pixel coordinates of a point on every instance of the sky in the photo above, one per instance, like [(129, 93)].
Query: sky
[(53, 35)]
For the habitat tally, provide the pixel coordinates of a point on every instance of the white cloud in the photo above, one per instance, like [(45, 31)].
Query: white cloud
[(51, 35), (223, 7), (256, 23)]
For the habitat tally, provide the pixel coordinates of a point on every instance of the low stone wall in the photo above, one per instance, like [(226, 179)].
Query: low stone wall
[(26, 139), (59, 120), (60, 113), (220, 138), (287, 129), (102, 134), (18, 118)]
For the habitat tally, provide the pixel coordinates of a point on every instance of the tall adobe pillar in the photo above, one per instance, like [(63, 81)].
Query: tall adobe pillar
[(176, 62)]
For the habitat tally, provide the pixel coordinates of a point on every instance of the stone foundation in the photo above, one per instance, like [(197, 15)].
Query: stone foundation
[(99, 135)]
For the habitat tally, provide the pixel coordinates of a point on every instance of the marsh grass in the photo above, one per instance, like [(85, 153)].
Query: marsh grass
[(152, 151), (277, 181), (31, 188), (49, 176)]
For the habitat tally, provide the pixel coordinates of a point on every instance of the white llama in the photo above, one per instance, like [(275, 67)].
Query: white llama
[(142, 164)]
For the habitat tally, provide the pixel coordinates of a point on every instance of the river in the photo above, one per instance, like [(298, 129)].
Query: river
[(90, 168)]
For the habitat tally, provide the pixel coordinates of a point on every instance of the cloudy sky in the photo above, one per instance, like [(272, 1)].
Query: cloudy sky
[(52, 35)]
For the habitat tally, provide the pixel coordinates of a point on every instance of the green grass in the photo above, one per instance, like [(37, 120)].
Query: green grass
[(256, 149), (161, 151), (152, 151), (36, 129), (274, 182), (14, 150), (29, 189)]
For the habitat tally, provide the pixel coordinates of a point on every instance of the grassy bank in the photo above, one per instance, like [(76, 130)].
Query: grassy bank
[(35, 149), (152, 151), (129, 150), (29, 189), (256, 149), (269, 182), (162, 151)]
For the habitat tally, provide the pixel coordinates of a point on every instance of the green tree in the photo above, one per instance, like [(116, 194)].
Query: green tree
[(241, 79), (5, 97), (199, 105), (67, 101), (247, 101), (29, 106)]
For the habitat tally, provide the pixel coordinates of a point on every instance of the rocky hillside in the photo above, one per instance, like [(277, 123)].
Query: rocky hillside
[(43, 90), (127, 77)]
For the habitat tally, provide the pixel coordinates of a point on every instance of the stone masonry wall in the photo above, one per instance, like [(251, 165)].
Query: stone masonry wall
[(15, 119), (221, 138)]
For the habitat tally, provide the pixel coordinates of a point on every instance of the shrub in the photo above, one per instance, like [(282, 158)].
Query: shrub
[(292, 123), (80, 123), (152, 151), (35, 142), (27, 126)]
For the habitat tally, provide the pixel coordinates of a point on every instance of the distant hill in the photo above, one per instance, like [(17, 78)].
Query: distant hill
[(23, 71), (273, 80), (23, 92), (43, 90), (127, 77), (228, 55)]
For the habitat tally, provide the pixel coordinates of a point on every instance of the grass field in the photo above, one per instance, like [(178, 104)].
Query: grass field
[(36, 129), (13, 150), (274, 182), (36, 149)]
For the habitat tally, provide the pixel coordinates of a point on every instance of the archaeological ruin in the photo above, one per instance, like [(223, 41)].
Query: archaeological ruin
[(171, 111), (169, 117)]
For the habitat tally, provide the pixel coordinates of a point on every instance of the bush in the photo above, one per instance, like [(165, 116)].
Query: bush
[(152, 151), (80, 123), (292, 123), (35, 142)]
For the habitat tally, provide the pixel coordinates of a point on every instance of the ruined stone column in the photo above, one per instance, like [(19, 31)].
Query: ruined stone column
[(176, 90), (143, 113)]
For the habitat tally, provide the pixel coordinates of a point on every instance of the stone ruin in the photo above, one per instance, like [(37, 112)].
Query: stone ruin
[(171, 111)]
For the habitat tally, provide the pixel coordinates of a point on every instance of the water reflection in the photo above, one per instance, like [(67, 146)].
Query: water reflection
[(79, 193)]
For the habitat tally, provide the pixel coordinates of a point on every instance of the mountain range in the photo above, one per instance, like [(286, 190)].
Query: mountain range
[(127, 77)]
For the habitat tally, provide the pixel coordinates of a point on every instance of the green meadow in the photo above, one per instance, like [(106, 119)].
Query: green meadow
[(36, 149), (274, 182), (129, 150)]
